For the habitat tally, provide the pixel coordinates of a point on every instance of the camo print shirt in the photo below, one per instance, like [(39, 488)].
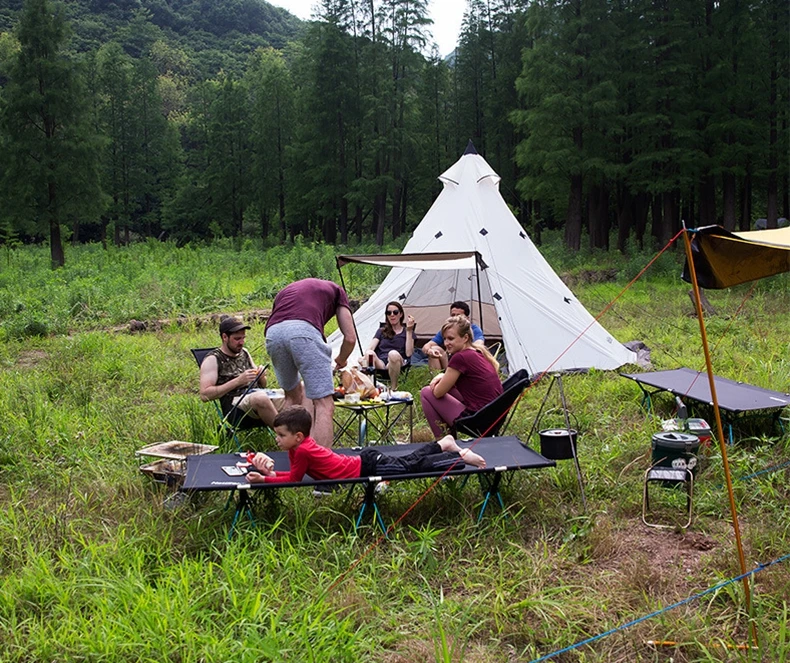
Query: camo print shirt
[(229, 368)]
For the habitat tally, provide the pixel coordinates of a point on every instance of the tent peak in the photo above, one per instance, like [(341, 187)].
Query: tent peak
[(470, 148)]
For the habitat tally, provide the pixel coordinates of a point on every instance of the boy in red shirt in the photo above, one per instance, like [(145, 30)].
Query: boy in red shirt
[(292, 432)]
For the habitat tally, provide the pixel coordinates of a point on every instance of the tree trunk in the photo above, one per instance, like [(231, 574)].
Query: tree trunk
[(707, 200), (378, 217), (730, 200), (745, 221), (772, 211), (264, 216), (358, 220), (343, 220), (598, 217), (404, 199), (625, 216), (573, 220), (657, 223), (396, 203), (641, 207), (57, 257), (103, 232), (670, 201), (537, 223)]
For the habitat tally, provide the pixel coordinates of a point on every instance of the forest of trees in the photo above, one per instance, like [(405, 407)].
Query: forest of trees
[(193, 119)]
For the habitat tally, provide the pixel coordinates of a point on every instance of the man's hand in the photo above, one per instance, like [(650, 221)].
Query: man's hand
[(340, 363), (434, 351), (247, 377)]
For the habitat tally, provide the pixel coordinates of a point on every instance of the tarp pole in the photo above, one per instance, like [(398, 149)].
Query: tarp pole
[(479, 297), (720, 430), (353, 321)]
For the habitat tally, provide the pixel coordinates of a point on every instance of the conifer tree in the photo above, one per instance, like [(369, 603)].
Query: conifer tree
[(51, 150)]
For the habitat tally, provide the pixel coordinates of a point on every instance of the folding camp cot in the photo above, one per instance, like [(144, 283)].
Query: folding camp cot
[(736, 399), (502, 454)]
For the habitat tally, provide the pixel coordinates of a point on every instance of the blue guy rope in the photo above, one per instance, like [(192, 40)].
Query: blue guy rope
[(622, 627), (773, 468), (746, 477)]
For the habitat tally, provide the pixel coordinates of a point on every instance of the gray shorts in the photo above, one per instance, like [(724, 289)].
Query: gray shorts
[(296, 348)]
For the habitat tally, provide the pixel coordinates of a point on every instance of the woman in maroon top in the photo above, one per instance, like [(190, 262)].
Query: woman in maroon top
[(470, 382)]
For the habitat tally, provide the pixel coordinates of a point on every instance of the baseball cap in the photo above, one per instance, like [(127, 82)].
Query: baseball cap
[(231, 325)]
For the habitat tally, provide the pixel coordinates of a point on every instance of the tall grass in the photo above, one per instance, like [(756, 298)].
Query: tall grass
[(94, 565)]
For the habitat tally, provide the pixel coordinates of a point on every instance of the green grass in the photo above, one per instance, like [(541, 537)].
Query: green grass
[(95, 567)]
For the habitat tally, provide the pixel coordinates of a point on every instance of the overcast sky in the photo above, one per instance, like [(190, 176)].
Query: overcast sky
[(446, 15)]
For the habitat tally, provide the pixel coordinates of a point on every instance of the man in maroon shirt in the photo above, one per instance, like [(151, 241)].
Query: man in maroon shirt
[(299, 352)]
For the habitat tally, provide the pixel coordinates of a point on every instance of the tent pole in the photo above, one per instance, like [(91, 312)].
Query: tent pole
[(479, 298), (353, 322), (720, 430)]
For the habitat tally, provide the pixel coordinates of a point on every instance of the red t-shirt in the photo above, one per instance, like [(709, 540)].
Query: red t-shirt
[(478, 383), (313, 300), (319, 462)]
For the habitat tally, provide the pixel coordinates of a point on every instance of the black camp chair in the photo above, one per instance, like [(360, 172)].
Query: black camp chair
[(494, 418), (234, 420), (382, 374)]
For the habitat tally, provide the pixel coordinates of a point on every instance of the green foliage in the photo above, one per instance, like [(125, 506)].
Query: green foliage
[(97, 562), (51, 148), (233, 119)]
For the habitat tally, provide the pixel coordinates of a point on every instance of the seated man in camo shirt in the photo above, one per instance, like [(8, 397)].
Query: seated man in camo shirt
[(228, 371)]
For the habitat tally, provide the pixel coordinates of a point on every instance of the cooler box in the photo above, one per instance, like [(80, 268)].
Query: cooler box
[(678, 450), (700, 428)]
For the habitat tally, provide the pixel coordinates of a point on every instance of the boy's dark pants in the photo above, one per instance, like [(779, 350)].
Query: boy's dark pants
[(427, 458)]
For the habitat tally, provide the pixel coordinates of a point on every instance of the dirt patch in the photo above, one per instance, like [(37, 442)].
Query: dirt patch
[(678, 554), (28, 359)]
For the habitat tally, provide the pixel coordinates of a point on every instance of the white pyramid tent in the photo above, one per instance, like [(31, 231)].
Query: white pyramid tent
[(470, 247)]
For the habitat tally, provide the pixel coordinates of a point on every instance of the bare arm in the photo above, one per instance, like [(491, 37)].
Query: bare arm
[(445, 382), (432, 349), (410, 325), (262, 378), (209, 373), (345, 323)]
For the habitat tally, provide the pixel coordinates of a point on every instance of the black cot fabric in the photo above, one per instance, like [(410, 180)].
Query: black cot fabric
[(733, 396), (501, 454)]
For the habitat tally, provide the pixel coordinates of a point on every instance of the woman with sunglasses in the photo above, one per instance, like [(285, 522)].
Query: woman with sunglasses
[(392, 344)]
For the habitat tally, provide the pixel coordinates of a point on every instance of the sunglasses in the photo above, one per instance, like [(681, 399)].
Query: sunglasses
[(394, 312)]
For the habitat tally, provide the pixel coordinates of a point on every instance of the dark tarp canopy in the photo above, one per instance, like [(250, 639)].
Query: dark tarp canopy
[(723, 259)]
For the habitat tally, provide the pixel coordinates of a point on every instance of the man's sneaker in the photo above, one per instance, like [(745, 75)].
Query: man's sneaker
[(382, 487)]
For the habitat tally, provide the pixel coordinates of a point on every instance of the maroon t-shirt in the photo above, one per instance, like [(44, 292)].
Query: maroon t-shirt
[(312, 300), (478, 383)]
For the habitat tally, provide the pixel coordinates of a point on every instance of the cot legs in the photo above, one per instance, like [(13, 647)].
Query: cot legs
[(370, 501)]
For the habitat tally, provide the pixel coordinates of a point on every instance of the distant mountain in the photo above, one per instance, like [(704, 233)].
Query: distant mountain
[(214, 33)]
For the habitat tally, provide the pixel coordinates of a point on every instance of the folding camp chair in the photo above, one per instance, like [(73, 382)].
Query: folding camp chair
[(489, 420), (235, 419), (668, 477), (382, 375)]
